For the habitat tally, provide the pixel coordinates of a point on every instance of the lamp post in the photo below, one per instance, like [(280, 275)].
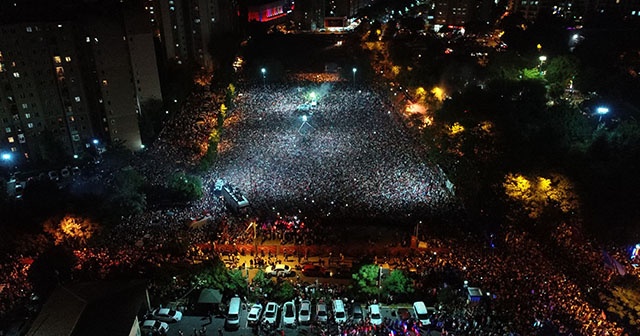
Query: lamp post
[(379, 282), (601, 110), (542, 59), (354, 70), (264, 77)]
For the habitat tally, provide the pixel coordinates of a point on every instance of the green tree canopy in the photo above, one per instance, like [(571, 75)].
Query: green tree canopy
[(216, 275), (367, 279), (284, 291), (186, 187), (397, 283), (263, 285)]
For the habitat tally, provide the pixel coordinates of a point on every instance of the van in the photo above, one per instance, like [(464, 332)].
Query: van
[(233, 315), (421, 312), (339, 314)]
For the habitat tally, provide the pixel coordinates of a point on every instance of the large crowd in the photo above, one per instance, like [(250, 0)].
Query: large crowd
[(329, 148), (352, 157)]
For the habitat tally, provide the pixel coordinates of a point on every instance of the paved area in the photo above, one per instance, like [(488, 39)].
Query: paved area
[(190, 324)]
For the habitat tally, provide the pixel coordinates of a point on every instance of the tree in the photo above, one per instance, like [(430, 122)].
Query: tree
[(186, 187), (126, 196), (284, 291), (263, 283), (397, 283), (367, 279), (237, 282), (72, 229)]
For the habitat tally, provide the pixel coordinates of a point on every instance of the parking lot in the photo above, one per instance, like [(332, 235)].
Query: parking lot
[(190, 324)]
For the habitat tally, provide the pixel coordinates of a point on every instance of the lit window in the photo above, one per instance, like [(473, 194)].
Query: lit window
[(16, 74), (25, 106), (30, 125), (11, 140), (21, 138), (77, 99), (57, 59), (8, 129), (27, 115), (67, 59), (29, 29), (75, 137), (59, 26), (88, 39), (105, 83), (14, 149)]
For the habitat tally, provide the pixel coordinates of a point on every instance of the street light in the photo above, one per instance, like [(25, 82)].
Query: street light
[(6, 156), (601, 110), (264, 76), (354, 70), (542, 59)]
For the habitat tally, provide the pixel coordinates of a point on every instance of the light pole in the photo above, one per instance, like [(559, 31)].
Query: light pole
[(354, 70), (379, 282), (601, 110), (264, 77), (542, 59)]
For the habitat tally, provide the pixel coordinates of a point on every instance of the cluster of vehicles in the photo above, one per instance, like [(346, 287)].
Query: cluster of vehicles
[(16, 184), (291, 314), (157, 323)]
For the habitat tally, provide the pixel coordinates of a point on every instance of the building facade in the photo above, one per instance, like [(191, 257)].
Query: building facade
[(186, 28), (43, 101), (66, 84)]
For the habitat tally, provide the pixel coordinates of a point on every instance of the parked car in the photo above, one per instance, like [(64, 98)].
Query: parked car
[(374, 314), (65, 172), (304, 314), (167, 315), (254, 314), (311, 270), (75, 171), (421, 312), (289, 314), (278, 270), (271, 313), (340, 272), (339, 314), (154, 327), (321, 312), (358, 314)]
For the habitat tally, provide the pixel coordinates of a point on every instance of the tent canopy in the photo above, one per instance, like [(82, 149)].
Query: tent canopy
[(210, 296)]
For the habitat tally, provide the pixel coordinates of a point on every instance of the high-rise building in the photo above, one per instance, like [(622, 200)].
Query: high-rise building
[(453, 12), (64, 84), (186, 28), (43, 101)]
